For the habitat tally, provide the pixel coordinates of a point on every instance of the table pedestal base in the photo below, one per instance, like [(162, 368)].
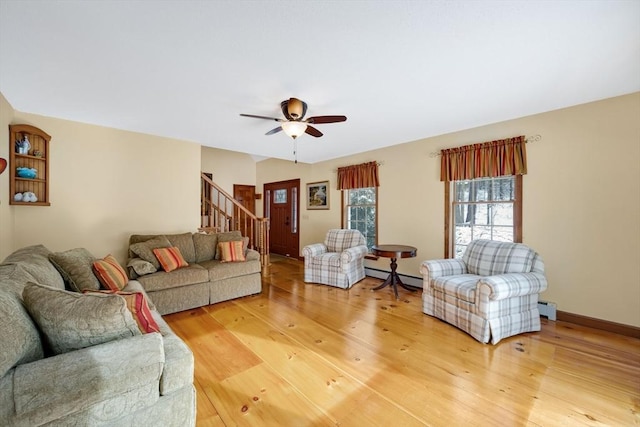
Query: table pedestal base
[(394, 280)]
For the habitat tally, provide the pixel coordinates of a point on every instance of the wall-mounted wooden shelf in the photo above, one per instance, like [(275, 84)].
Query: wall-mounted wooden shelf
[(39, 185)]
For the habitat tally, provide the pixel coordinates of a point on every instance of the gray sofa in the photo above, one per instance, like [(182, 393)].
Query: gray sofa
[(207, 280), (133, 379)]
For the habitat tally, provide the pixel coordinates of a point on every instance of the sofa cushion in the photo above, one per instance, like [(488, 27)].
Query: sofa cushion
[(205, 246), (190, 275), (184, 242), (145, 249), (110, 273), (231, 251), (18, 335), (219, 270), (228, 236), (490, 257), (170, 258), (70, 321), (461, 286), (35, 260), (76, 268)]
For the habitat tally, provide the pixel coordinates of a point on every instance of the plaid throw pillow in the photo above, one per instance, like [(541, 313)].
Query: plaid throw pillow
[(110, 273), (231, 251), (170, 258)]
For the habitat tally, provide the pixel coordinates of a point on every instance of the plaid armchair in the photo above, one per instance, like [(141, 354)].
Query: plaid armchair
[(339, 261), (491, 293)]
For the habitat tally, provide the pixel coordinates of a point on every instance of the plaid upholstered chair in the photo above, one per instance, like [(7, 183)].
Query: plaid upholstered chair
[(491, 293), (339, 261)]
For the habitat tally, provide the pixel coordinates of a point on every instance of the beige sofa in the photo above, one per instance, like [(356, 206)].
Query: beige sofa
[(128, 380), (207, 280)]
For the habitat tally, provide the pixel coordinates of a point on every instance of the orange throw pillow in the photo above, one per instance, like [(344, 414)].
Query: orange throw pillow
[(231, 251), (170, 258), (110, 274)]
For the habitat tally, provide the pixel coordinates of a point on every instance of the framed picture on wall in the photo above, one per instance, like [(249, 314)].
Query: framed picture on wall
[(318, 195)]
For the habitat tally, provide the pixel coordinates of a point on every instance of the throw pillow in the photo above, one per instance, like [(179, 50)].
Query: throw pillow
[(141, 267), (227, 237), (71, 321), (231, 251), (205, 246), (76, 268), (139, 308), (170, 258), (110, 273), (145, 249)]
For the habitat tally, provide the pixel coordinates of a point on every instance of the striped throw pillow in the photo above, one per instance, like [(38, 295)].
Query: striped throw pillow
[(137, 304), (170, 258), (110, 274), (231, 251)]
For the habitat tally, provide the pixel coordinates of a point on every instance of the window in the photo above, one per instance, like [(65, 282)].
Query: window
[(359, 212), (484, 208)]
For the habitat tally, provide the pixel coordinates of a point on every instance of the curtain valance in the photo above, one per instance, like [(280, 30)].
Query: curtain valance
[(358, 176), (487, 159)]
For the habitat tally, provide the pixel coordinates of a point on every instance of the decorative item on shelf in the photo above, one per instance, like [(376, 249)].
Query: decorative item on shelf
[(3, 165), (37, 153), (23, 146), (29, 173), (27, 196)]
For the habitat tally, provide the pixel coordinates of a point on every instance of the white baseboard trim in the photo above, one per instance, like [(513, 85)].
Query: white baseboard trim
[(414, 282)]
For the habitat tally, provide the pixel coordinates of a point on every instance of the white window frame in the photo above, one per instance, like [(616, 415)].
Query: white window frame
[(346, 220)]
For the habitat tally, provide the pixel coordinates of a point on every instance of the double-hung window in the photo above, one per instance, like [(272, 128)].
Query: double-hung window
[(359, 185), (485, 208), (483, 193), (360, 212)]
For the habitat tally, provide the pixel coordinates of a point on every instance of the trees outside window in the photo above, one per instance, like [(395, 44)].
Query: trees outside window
[(484, 208), (359, 212)]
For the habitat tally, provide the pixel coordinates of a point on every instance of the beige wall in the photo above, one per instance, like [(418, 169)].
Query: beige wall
[(107, 184), (6, 213), (229, 167), (581, 201)]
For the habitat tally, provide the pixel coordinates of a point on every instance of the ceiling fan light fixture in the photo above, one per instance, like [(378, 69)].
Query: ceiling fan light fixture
[(294, 129)]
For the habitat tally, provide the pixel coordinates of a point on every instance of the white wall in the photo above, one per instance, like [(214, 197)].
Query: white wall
[(6, 213)]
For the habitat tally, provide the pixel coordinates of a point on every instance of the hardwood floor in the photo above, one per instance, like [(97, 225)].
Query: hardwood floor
[(312, 355)]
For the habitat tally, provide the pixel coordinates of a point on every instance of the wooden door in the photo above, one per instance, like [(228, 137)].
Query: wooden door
[(246, 196), (282, 207)]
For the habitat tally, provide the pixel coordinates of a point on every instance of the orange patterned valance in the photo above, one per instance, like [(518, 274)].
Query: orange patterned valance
[(358, 176), (488, 159)]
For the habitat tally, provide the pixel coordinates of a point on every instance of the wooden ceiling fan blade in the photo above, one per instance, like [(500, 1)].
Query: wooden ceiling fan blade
[(313, 131), (261, 117), (326, 119), (274, 130)]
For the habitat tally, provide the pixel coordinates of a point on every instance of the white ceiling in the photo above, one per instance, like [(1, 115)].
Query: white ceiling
[(399, 70)]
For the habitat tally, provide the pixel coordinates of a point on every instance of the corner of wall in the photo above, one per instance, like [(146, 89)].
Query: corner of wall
[(6, 213)]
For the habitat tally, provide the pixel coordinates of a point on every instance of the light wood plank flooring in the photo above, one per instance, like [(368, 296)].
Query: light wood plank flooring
[(312, 355)]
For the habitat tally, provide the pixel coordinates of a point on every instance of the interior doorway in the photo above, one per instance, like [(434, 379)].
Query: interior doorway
[(282, 207)]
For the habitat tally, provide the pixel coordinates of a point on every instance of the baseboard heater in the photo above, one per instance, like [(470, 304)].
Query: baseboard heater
[(547, 309), (414, 282)]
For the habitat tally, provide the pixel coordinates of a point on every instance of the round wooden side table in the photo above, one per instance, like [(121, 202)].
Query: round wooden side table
[(394, 252)]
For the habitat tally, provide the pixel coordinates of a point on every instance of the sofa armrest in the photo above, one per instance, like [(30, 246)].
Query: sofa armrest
[(252, 255), (316, 249), (352, 254), (57, 386), (433, 269), (503, 286)]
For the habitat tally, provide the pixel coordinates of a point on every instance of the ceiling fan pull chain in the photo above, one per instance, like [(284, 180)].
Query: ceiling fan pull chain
[(295, 150)]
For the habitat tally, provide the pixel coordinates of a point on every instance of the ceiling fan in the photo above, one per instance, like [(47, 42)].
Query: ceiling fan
[(294, 124)]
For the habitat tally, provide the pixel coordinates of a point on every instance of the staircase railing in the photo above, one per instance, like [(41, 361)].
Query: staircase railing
[(220, 212)]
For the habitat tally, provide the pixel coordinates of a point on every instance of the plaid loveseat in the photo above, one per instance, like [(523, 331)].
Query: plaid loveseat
[(491, 293), (339, 261)]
